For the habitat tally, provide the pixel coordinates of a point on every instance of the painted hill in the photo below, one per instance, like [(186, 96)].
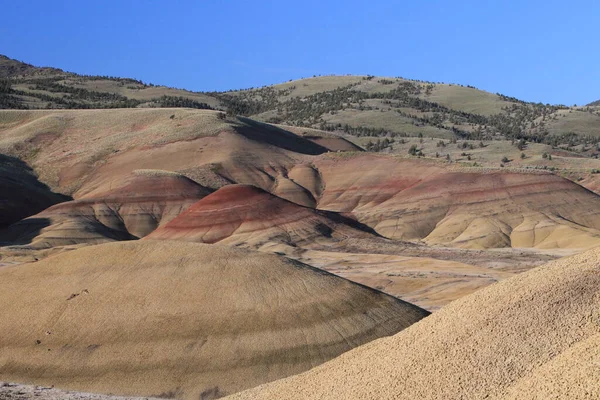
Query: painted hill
[(85, 151), (462, 207), (175, 319), (249, 216), (78, 151), (134, 207), (532, 336)]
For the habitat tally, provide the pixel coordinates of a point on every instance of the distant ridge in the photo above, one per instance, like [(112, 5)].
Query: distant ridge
[(355, 105)]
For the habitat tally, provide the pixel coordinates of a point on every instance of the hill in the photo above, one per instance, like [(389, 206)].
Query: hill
[(246, 215), (28, 86), (135, 206), (355, 105), (532, 336), (76, 151), (185, 320), (397, 107), (462, 207)]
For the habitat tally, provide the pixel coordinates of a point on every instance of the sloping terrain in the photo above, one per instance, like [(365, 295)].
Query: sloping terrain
[(357, 105), (21, 193), (183, 320), (249, 216), (34, 87), (532, 336), (83, 150), (134, 207), (428, 282), (462, 207)]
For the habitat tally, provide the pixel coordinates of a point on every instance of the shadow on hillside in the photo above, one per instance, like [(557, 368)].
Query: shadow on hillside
[(21, 193), (278, 137), (22, 232), (350, 221)]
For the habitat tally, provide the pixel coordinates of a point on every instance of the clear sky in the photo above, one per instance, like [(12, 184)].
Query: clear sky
[(535, 50)]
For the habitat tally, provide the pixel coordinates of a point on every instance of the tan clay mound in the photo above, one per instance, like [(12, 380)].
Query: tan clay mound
[(531, 336), (21, 194), (77, 151), (414, 200), (244, 214), (134, 206), (175, 319)]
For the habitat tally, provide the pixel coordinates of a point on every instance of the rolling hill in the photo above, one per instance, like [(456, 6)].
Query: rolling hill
[(244, 215), (356, 105), (185, 320), (134, 207)]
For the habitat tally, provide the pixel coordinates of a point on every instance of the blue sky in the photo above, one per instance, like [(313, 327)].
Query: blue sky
[(536, 50)]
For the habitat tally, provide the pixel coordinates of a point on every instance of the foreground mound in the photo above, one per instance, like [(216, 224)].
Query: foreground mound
[(134, 206), (178, 319), (244, 214), (533, 336)]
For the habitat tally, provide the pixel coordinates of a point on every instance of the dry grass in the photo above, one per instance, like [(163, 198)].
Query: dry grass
[(466, 99)]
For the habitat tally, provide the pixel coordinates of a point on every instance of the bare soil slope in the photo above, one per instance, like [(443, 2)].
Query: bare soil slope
[(461, 207), (134, 206), (177, 319), (249, 216), (532, 336), (78, 151)]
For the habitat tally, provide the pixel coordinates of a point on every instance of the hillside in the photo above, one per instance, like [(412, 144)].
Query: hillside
[(27, 86), (532, 336), (354, 105), (22, 193), (131, 171), (76, 151), (134, 207), (462, 207), (186, 320), (397, 107), (243, 215)]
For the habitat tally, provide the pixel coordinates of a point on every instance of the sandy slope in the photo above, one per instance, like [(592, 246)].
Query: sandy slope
[(186, 319), (532, 336)]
